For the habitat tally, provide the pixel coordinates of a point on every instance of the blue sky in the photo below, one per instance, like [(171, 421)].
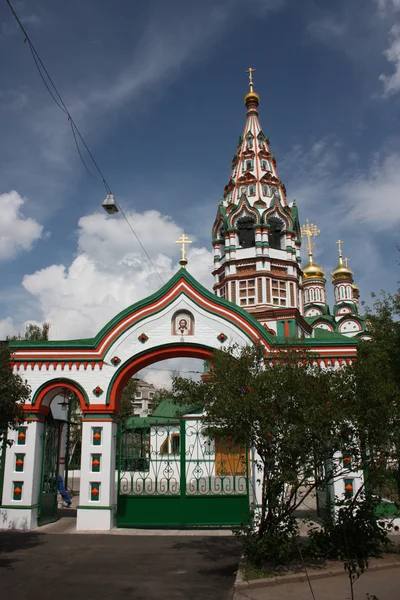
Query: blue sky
[(157, 90)]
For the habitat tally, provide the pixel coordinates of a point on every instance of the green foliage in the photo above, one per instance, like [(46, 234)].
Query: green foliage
[(36, 333), (351, 534), (127, 397), (278, 546), (14, 392), (288, 410)]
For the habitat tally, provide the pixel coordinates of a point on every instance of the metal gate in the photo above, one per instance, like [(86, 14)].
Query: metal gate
[(3, 447), (172, 475), (47, 511)]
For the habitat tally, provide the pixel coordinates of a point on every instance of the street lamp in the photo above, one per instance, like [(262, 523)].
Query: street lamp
[(64, 404)]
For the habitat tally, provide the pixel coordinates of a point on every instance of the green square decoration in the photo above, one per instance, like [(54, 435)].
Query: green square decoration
[(21, 436), (349, 488), (19, 462), (96, 463), (95, 491), (17, 490), (97, 433)]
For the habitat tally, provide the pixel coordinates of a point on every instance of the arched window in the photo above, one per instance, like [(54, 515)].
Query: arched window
[(275, 233), (311, 295), (348, 291), (306, 296), (317, 294), (246, 233), (341, 291)]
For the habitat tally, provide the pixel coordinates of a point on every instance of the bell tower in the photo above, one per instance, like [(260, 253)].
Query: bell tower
[(256, 234)]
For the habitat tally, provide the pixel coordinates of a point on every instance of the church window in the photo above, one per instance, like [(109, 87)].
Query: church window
[(247, 292), (306, 296), (311, 295), (175, 443), (341, 291), (275, 233), (249, 165), (246, 234), (252, 190), (348, 290), (279, 294), (266, 190), (242, 191), (317, 294), (265, 165), (222, 292)]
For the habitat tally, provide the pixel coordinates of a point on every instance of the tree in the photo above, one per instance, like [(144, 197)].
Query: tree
[(14, 392), (35, 332), (286, 410), (296, 416), (160, 395), (127, 397)]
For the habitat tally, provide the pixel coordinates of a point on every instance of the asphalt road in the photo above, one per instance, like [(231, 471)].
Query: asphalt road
[(35, 566)]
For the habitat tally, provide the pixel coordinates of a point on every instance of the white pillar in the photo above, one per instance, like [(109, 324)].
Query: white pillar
[(21, 486), (97, 501)]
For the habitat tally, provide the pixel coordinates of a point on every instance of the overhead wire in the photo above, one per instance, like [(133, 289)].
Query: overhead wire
[(57, 98)]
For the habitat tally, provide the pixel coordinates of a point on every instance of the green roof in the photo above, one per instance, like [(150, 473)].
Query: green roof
[(166, 412)]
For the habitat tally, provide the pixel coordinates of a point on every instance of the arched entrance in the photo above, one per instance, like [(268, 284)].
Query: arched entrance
[(181, 319), (170, 472)]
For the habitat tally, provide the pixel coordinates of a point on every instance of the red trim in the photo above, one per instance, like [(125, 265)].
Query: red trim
[(143, 361), (39, 408)]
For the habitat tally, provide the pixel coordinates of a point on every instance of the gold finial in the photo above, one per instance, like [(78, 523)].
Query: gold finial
[(342, 270), (339, 243), (309, 229), (250, 71), (183, 240)]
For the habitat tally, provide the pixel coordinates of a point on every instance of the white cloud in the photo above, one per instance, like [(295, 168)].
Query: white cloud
[(383, 5), (17, 232), (391, 83), (110, 272), (7, 328), (327, 26), (373, 196)]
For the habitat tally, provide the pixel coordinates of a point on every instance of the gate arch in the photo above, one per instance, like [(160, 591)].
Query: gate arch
[(147, 358)]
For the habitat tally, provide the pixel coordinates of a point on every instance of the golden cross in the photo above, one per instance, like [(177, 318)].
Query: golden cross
[(309, 229), (339, 243), (346, 261), (183, 240), (250, 71)]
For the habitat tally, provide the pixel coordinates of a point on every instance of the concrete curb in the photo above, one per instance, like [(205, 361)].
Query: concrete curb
[(241, 583)]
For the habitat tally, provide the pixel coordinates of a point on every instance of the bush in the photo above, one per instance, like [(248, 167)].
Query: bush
[(275, 547), (351, 534)]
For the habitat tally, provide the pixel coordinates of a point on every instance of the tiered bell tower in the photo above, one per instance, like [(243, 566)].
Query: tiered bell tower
[(256, 233)]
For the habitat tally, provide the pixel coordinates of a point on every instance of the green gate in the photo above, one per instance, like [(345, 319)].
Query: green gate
[(3, 446), (171, 475), (47, 512)]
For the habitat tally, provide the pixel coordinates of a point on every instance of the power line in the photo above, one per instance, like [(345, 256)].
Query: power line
[(57, 98), (172, 370)]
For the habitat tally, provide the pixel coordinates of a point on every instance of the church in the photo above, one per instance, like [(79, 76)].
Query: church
[(257, 237), (262, 294)]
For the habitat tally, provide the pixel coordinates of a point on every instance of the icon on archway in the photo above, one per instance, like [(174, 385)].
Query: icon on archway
[(182, 323)]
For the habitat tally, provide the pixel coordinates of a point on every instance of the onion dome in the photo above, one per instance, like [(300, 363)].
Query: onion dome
[(251, 99), (312, 271), (342, 271), (356, 291)]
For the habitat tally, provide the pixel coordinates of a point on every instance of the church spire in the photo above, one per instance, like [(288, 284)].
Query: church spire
[(256, 234)]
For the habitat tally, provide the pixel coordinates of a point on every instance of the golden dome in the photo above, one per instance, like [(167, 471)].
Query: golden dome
[(356, 291), (341, 271), (251, 97), (312, 271)]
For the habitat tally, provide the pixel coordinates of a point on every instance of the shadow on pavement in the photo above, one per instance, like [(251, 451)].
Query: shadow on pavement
[(11, 541)]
